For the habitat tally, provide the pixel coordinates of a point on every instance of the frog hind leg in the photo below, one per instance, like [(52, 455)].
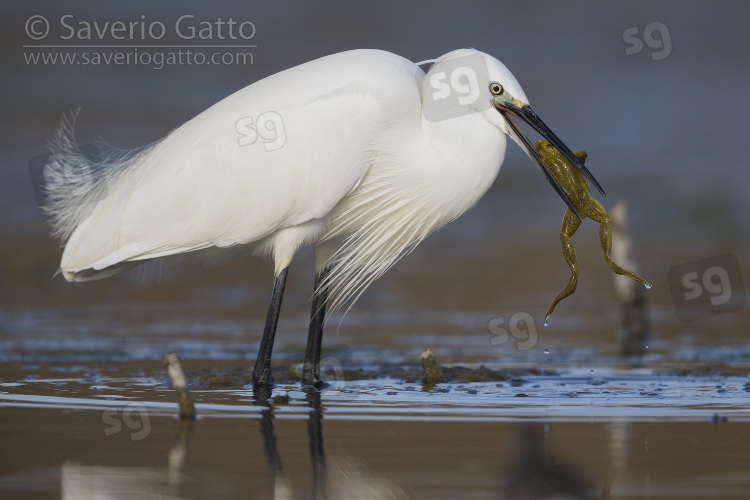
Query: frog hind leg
[(570, 225), (597, 213)]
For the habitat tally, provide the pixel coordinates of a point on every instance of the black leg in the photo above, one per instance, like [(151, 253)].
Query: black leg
[(311, 369), (262, 370)]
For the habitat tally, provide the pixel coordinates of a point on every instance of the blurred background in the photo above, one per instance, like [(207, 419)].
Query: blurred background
[(655, 92)]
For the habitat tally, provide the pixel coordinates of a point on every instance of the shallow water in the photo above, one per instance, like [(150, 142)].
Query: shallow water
[(613, 431)]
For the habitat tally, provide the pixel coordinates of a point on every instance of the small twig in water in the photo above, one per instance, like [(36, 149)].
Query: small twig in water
[(177, 376)]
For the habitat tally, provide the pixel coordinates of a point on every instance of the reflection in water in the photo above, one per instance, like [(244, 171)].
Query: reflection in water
[(85, 481), (179, 450), (347, 479), (619, 437), (261, 397), (377, 447), (315, 434), (279, 489), (537, 475)]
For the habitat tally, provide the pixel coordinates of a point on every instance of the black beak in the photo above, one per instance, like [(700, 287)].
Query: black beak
[(528, 115)]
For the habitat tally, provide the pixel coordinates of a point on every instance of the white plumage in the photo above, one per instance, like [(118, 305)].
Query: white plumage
[(360, 162), (362, 173)]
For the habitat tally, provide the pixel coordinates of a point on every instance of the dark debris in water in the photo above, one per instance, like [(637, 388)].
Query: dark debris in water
[(239, 377), (462, 374), (228, 378), (281, 399)]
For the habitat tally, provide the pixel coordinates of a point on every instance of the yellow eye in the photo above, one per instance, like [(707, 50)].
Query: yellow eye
[(496, 89)]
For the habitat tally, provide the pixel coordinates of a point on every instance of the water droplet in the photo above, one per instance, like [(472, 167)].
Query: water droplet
[(646, 347), (592, 371), (546, 351), (546, 323), (648, 287)]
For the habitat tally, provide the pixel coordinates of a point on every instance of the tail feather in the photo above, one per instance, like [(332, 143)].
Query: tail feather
[(74, 182)]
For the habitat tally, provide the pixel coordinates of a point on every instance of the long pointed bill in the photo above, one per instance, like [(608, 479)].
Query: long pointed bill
[(518, 136), (529, 116), (525, 113)]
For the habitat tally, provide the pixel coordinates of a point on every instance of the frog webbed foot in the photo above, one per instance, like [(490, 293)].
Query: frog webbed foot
[(605, 236), (570, 225)]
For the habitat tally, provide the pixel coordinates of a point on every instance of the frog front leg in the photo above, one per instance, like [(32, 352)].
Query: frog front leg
[(570, 225), (596, 211)]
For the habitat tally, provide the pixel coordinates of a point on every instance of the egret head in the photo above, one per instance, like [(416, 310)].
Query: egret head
[(483, 84)]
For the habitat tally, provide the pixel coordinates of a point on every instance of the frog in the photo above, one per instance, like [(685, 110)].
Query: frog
[(575, 185)]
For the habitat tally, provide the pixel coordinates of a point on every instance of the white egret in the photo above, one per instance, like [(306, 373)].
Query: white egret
[(360, 154)]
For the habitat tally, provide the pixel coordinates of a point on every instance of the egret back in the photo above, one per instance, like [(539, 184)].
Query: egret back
[(361, 173), (203, 187)]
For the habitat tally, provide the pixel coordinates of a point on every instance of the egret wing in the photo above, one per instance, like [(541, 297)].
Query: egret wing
[(273, 155)]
